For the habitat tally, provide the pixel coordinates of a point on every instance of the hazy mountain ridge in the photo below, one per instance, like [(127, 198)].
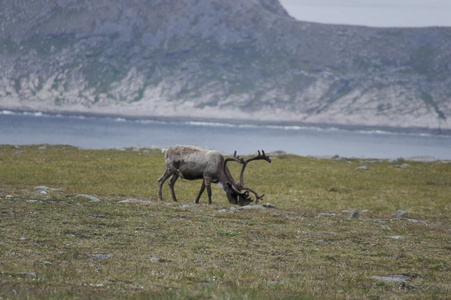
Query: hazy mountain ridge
[(223, 59)]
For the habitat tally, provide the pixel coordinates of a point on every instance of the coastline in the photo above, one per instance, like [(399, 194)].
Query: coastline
[(236, 122)]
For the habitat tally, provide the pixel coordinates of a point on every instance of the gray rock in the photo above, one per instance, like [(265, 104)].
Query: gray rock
[(41, 192), (252, 207), (362, 168), (136, 201), (45, 188), (100, 256), (397, 237), (354, 214), (29, 274), (327, 214), (155, 259), (269, 205), (400, 213), (411, 220), (392, 278), (92, 198), (402, 166)]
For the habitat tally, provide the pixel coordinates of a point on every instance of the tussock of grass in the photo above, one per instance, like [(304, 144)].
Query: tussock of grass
[(62, 245)]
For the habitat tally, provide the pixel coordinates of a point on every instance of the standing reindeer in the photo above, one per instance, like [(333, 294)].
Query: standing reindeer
[(191, 163)]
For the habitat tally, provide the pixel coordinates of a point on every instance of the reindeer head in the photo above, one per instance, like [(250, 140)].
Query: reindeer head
[(236, 192)]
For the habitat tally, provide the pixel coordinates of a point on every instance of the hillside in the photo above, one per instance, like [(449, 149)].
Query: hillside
[(236, 59)]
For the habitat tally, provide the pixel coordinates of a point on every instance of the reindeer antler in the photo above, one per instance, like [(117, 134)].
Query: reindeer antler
[(238, 187), (259, 156), (234, 158), (257, 197)]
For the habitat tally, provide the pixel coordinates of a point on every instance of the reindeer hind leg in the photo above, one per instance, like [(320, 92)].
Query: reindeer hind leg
[(171, 185), (161, 181)]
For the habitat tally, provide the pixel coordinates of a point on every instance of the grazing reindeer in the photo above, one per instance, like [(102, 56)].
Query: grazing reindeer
[(193, 163)]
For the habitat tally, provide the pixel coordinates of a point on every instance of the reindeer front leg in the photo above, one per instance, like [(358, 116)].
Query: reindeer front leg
[(206, 183)]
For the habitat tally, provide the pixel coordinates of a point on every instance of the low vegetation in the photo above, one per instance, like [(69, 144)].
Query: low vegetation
[(64, 232)]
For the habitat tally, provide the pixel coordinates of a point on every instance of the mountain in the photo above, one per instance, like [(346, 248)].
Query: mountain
[(240, 59)]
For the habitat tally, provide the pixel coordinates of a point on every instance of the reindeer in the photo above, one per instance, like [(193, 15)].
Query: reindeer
[(191, 163)]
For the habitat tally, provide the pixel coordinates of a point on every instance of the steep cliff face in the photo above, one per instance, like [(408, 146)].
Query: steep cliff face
[(241, 59)]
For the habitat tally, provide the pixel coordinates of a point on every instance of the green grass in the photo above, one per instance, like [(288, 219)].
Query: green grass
[(48, 241)]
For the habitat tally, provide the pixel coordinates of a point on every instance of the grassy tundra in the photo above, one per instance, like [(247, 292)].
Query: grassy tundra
[(58, 243)]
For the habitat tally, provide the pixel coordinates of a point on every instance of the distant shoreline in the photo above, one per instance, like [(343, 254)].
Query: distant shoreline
[(231, 121)]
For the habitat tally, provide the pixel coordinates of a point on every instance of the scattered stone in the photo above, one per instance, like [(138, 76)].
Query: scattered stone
[(269, 205), (298, 200), (402, 166), (42, 192), (221, 211), (29, 274), (273, 282), (411, 220), (46, 262), (365, 211), (252, 207), (327, 214), (45, 188), (100, 256), (354, 214), (362, 168), (19, 153), (400, 213), (397, 237), (31, 201), (136, 201), (417, 221), (155, 259), (185, 206), (385, 227), (92, 198), (23, 238), (392, 278), (199, 261)]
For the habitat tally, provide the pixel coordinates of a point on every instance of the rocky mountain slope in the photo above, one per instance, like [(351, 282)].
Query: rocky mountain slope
[(240, 59)]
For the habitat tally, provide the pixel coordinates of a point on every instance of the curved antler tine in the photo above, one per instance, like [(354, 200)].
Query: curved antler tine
[(257, 197), (236, 190)]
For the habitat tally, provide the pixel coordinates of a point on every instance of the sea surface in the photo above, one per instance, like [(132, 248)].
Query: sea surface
[(25, 128)]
